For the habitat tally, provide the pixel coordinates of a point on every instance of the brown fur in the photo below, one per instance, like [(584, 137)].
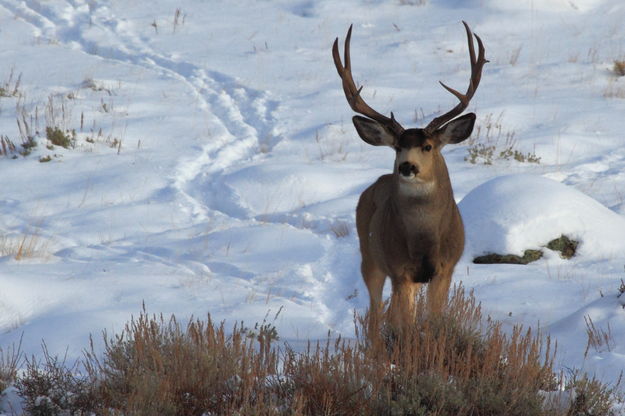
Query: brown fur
[(408, 223), (412, 239)]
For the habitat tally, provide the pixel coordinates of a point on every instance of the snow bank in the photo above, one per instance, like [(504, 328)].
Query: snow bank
[(510, 214)]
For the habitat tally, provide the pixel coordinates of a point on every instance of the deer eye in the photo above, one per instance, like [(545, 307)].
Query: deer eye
[(427, 147)]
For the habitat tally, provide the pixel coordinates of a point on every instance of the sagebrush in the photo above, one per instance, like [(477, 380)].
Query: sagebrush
[(458, 363)]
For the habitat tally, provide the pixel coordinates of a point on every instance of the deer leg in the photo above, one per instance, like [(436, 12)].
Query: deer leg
[(374, 279), (438, 290), (402, 309)]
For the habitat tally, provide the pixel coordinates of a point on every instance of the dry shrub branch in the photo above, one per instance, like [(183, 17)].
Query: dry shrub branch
[(457, 363)]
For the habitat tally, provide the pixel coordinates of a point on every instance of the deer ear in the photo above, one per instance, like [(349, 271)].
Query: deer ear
[(373, 132), (457, 130)]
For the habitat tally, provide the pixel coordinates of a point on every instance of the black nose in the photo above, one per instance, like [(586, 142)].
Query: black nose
[(408, 169)]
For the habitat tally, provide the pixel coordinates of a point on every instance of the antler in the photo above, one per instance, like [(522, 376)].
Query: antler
[(353, 94), (476, 75)]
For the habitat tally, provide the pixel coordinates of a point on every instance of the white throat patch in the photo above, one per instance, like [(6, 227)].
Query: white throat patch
[(415, 188)]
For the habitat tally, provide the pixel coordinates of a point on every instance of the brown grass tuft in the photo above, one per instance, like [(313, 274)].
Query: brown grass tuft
[(598, 338), (456, 363), (619, 67), (23, 246), (9, 361)]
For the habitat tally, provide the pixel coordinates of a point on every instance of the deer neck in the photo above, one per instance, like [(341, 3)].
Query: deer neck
[(421, 202)]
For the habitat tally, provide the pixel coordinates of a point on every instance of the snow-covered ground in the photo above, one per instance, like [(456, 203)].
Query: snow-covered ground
[(217, 169)]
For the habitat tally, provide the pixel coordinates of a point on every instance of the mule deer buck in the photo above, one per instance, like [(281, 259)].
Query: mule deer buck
[(408, 223)]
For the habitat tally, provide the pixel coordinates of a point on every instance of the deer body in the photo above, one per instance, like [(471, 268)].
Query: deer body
[(408, 223), (412, 239)]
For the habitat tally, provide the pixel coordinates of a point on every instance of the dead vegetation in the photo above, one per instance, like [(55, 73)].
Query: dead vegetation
[(598, 338), (11, 86), (491, 142), (618, 67), (25, 246), (458, 363), (52, 123), (9, 361)]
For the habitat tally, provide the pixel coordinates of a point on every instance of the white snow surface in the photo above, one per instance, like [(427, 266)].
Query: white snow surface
[(510, 214), (222, 169)]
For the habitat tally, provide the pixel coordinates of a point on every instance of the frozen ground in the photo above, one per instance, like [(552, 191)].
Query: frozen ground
[(216, 168)]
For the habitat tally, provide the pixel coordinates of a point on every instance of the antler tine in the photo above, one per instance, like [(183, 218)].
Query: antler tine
[(352, 93), (476, 74)]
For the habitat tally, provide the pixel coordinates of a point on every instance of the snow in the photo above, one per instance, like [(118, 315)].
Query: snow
[(510, 214), (234, 187)]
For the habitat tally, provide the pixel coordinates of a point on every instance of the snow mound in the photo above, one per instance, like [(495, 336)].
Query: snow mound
[(510, 214)]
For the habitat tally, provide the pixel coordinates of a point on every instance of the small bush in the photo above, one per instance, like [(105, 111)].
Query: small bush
[(58, 137), (590, 397), (52, 388), (486, 154), (619, 67), (9, 361), (490, 142)]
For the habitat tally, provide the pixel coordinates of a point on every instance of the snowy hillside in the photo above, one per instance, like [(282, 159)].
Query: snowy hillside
[(216, 170)]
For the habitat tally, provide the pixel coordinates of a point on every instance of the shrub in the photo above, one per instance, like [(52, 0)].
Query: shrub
[(58, 137), (619, 67), (9, 361), (52, 388), (490, 143), (455, 363), (158, 366)]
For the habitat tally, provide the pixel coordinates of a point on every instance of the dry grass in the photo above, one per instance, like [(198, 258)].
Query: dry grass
[(7, 147), (619, 67), (598, 338), (11, 87), (590, 397), (614, 89), (20, 247), (457, 363), (490, 142), (9, 362), (55, 123)]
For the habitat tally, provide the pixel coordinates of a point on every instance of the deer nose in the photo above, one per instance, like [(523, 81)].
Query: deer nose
[(408, 169)]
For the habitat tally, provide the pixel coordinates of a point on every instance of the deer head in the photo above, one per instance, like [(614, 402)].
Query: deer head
[(418, 149)]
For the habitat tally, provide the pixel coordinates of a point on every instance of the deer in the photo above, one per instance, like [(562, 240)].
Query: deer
[(408, 224)]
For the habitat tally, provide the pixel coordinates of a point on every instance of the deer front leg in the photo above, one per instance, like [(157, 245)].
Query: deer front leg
[(402, 308), (374, 279), (438, 289)]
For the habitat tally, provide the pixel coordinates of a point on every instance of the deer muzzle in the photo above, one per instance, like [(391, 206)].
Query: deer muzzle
[(408, 170)]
